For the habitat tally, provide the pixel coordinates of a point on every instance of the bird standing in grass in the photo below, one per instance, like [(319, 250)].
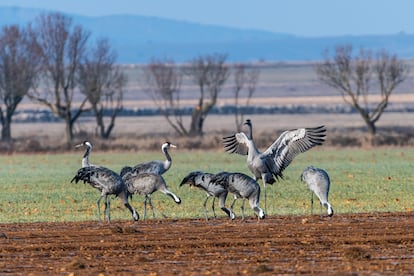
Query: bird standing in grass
[(108, 183), (270, 164), (319, 183)]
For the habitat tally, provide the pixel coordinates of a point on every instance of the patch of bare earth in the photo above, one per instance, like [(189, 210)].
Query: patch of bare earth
[(376, 243)]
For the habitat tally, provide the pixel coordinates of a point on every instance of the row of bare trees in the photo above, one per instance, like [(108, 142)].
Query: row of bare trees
[(53, 62), (209, 73), (357, 77)]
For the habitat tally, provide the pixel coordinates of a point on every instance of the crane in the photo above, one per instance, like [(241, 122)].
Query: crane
[(146, 184), (241, 186), (270, 164), (203, 181), (319, 183), (108, 183)]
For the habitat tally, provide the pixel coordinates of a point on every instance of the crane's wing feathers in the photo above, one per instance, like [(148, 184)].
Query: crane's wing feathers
[(148, 167), (236, 143), (221, 179), (97, 177), (291, 143)]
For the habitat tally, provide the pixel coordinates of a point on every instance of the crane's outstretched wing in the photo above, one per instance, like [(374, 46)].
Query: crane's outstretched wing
[(236, 143), (291, 143)]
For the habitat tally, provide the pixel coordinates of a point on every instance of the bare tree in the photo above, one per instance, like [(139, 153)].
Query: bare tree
[(209, 72), (163, 82), (62, 49), (19, 65), (102, 82), (244, 76), (352, 77)]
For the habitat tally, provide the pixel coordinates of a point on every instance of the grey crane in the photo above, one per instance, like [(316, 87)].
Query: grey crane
[(319, 183), (203, 181), (108, 183), (146, 184), (85, 159), (270, 164), (155, 166), (241, 186)]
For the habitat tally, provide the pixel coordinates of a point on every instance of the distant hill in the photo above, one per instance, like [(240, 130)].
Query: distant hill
[(137, 39)]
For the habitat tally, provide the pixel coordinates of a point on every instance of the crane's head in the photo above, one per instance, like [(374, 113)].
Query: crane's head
[(190, 178), (197, 178), (248, 122), (167, 145), (83, 144)]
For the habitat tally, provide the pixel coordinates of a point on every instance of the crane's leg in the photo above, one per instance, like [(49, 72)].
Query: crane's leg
[(212, 207), (222, 202), (134, 213), (311, 203), (205, 208), (152, 207), (264, 192), (124, 197), (320, 212), (145, 207), (234, 201), (99, 207), (173, 196), (242, 208), (107, 208)]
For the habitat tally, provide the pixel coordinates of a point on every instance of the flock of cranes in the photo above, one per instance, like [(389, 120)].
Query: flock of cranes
[(146, 178)]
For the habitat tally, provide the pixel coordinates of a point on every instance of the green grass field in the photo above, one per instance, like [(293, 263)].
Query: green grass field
[(37, 188)]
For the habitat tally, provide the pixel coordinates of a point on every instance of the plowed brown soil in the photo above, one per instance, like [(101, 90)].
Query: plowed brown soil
[(380, 243)]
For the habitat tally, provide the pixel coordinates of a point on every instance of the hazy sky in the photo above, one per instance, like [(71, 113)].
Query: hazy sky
[(300, 17)]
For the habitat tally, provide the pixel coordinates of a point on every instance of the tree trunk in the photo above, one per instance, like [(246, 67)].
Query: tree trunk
[(372, 129), (196, 117), (69, 131), (6, 130)]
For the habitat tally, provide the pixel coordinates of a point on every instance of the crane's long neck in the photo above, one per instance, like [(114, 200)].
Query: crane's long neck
[(252, 146), (85, 159), (250, 132), (204, 186), (168, 162)]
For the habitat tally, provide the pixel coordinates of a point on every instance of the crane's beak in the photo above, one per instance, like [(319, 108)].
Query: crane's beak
[(189, 179), (183, 182), (173, 146), (79, 145)]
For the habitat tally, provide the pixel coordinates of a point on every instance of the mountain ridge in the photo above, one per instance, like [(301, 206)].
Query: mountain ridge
[(138, 39)]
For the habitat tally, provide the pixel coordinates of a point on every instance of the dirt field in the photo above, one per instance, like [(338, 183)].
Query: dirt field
[(381, 243)]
